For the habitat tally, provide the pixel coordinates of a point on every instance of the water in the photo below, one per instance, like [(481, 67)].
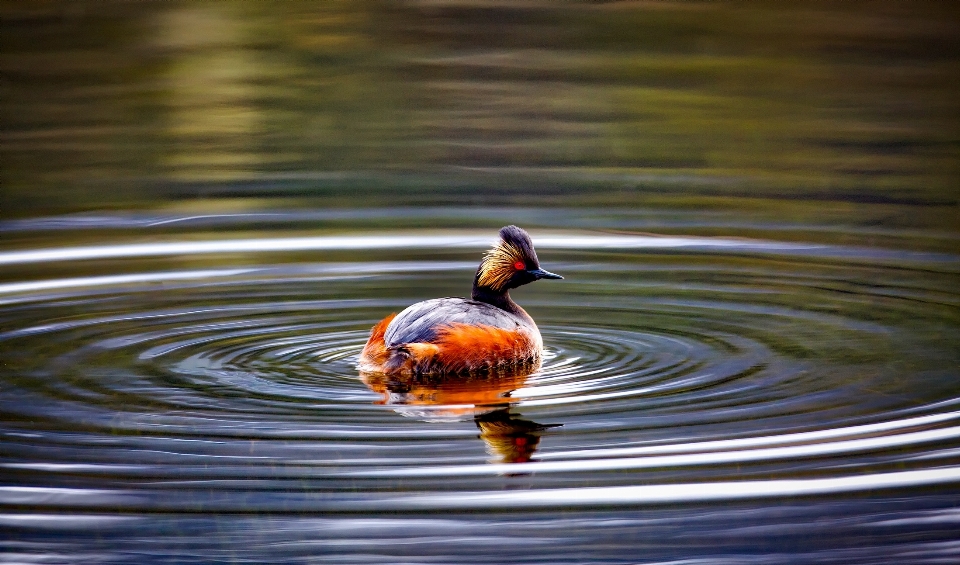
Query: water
[(753, 357), (702, 398)]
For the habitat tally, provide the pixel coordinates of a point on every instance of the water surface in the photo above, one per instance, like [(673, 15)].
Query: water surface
[(753, 357), (715, 398)]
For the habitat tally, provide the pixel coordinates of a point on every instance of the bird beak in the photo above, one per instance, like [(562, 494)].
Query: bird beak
[(541, 274)]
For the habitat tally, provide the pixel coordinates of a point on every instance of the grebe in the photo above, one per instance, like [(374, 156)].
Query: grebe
[(456, 335)]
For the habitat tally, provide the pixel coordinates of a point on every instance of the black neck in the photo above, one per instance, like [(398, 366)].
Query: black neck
[(499, 299)]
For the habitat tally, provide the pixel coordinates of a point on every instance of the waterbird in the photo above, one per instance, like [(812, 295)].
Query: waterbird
[(488, 332)]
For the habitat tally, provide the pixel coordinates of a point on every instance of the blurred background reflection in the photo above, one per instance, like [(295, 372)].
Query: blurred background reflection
[(380, 102)]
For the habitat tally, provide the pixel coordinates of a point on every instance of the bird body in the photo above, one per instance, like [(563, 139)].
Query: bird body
[(487, 332)]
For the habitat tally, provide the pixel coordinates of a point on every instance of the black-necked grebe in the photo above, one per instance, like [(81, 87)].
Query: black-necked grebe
[(455, 335)]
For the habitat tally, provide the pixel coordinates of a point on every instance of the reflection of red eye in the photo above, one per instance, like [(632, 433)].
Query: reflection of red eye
[(519, 265)]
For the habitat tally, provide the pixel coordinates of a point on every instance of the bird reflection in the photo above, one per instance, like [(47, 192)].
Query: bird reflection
[(509, 439), (484, 398)]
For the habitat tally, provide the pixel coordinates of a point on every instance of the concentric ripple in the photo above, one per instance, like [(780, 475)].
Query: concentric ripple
[(721, 375)]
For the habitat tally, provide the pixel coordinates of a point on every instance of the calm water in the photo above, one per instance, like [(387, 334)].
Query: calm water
[(715, 398), (753, 357)]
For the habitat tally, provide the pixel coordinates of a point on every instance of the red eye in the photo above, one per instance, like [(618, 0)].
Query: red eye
[(519, 265)]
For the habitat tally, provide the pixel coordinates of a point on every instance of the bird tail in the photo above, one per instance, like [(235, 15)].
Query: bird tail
[(375, 352)]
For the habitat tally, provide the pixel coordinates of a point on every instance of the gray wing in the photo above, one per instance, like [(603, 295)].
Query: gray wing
[(421, 321)]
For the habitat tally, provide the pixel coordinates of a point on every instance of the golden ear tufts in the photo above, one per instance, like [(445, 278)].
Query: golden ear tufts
[(496, 269)]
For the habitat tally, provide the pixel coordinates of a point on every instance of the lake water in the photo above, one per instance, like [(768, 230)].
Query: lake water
[(714, 398), (753, 356)]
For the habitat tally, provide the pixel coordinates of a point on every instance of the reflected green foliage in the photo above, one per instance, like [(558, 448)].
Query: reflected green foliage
[(363, 102)]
